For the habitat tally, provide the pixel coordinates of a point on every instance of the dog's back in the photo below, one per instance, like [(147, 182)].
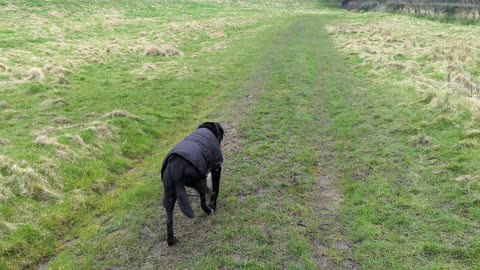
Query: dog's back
[(201, 148)]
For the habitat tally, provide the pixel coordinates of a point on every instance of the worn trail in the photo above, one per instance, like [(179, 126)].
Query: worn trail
[(279, 198), (279, 206)]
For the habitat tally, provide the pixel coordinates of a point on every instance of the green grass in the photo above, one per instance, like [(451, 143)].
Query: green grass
[(404, 206), (264, 184), (410, 167), (83, 166), (403, 181)]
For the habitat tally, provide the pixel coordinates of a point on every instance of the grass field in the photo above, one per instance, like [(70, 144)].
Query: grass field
[(352, 139)]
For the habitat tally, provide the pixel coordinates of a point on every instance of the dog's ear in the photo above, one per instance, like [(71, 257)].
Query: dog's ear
[(220, 131), (216, 128), (209, 125)]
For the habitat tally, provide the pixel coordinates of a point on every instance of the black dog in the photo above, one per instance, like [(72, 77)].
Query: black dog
[(188, 164)]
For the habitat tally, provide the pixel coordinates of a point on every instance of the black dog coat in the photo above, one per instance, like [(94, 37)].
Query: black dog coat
[(201, 148)]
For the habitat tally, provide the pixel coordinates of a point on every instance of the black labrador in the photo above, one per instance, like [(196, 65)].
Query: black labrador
[(188, 164)]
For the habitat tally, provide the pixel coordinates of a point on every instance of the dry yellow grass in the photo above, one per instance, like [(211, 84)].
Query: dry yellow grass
[(472, 186), (166, 50), (4, 68), (439, 59), (7, 226), (102, 129), (77, 148), (60, 102), (10, 7), (78, 140), (215, 47), (4, 105), (64, 56), (35, 74), (217, 35), (25, 180), (62, 151), (149, 67), (61, 120), (170, 68), (120, 113), (111, 18)]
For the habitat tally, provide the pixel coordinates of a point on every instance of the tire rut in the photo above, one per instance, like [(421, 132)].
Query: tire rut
[(328, 242)]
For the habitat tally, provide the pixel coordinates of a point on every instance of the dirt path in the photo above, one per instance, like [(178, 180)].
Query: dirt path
[(284, 97)]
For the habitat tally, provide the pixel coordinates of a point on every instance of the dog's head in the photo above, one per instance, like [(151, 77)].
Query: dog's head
[(216, 128)]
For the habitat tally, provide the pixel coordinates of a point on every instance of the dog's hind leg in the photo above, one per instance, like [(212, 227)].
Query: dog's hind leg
[(169, 199), (169, 208)]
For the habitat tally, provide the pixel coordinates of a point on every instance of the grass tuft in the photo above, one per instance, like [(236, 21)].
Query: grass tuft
[(120, 113), (474, 133), (4, 68), (217, 35), (421, 140), (148, 67), (61, 120), (24, 180), (4, 105), (101, 129), (35, 74), (167, 50)]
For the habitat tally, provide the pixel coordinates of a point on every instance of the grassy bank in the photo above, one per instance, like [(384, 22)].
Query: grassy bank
[(408, 143)]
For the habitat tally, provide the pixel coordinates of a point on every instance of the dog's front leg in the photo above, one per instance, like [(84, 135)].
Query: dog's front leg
[(216, 173), (204, 205), (201, 187)]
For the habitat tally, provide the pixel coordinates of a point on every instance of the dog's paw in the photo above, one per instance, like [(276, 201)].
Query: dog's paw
[(171, 242), (207, 210)]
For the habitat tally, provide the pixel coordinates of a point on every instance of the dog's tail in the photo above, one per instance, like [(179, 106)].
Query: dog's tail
[(183, 201)]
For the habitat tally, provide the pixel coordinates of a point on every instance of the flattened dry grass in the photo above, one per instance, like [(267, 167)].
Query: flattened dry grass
[(35, 74), (435, 58), (120, 113), (166, 50), (19, 178), (63, 47), (4, 105)]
